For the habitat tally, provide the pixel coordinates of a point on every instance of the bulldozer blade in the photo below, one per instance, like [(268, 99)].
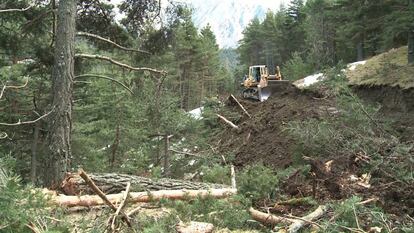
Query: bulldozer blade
[(273, 86)]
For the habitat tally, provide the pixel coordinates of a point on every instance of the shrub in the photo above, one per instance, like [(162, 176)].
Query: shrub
[(21, 206), (257, 182)]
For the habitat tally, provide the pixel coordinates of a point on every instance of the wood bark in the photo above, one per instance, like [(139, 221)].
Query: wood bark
[(59, 135), (134, 197), (111, 183), (268, 219), (306, 220)]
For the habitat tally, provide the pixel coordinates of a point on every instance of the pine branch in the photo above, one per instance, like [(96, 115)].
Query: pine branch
[(105, 77), (111, 42), (99, 57)]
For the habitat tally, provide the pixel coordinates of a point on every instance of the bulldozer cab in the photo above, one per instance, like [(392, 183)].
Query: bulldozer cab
[(257, 72)]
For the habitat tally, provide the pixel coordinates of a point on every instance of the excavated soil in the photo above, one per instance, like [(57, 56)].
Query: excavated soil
[(262, 139)]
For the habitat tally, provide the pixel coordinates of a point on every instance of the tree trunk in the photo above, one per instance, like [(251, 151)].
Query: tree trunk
[(60, 124), (166, 161), (33, 162), (411, 39), (134, 197), (360, 51), (115, 183)]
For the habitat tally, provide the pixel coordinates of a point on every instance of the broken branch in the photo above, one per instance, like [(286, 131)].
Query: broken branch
[(105, 77), (102, 195), (110, 42), (27, 122), (121, 206), (104, 58), (233, 177), (13, 87), (16, 10), (228, 122), (184, 153), (240, 105)]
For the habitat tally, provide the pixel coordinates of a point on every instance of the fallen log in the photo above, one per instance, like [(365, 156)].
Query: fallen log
[(94, 200), (111, 183), (268, 219)]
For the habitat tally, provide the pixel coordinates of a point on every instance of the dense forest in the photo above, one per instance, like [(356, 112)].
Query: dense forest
[(82, 89), (306, 38)]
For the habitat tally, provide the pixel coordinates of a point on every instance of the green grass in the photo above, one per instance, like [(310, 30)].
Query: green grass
[(387, 69)]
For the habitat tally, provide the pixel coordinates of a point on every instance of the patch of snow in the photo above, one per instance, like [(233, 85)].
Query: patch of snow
[(309, 80), (197, 113), (353, 66)]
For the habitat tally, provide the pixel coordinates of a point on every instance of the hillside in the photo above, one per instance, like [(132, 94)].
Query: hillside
[(387, 69)]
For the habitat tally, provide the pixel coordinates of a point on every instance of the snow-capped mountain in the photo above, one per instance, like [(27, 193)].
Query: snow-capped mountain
[(228, 18)]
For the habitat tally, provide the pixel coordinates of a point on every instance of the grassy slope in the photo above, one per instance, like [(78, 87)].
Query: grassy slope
[(389, 68)]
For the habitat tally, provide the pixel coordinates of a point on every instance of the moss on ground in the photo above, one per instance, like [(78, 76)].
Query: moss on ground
[(389, 69)]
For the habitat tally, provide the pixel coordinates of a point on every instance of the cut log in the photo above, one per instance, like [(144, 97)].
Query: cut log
[(94, 200), (111, 183), (269, 219), (299, 223), (194, 227)]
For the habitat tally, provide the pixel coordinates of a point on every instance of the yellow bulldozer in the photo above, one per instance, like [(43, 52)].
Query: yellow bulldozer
[(259, 84)]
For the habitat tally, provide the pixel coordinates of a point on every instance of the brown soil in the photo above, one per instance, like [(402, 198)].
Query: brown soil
[(262, 139)]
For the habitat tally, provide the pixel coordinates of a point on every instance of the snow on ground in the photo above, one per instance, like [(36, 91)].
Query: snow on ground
[(353, 66), (315, 78), (197, 113), (309, 80)]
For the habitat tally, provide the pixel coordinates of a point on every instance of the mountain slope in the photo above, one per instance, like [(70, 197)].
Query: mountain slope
[(228, 18)]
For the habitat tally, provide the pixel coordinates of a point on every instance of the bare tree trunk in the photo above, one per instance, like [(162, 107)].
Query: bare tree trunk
[(33, 162), (116, 183), (360, 51), (60, 124), (411, 39), (166, 163), (114, 147)]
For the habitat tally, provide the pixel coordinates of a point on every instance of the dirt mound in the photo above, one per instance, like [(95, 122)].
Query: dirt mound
[(263, 138)]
